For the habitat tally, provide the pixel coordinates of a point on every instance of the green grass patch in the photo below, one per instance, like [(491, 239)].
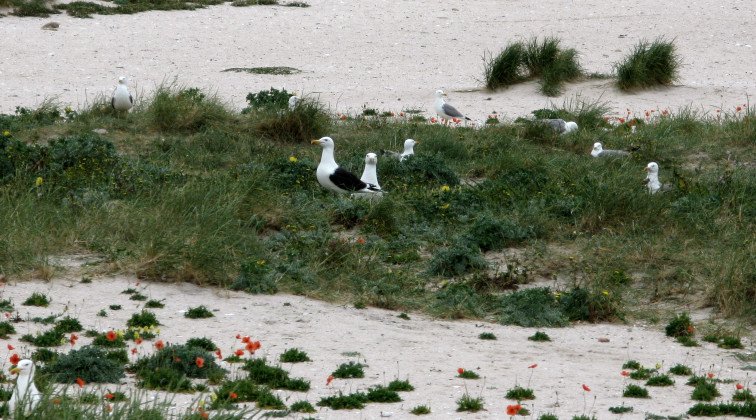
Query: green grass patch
[(648, 64)]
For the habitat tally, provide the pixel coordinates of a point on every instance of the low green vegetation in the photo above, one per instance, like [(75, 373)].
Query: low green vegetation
[(468, 403), (185, 189), (198, 312)]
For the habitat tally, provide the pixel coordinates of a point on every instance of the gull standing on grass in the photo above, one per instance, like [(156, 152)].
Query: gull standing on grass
[(409, 149), (335, 178), (599, 151), (561, 126), (25, 393), (370, 173), (652, 179), (122, 100), (446, 111)]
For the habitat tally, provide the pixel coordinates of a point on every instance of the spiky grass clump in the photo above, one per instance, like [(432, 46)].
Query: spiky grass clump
[(519, 393), (648, 64), (294, 356), (468, 403), (349, 370), (180, 110), (306, 121), (635, 391), (506, 68)]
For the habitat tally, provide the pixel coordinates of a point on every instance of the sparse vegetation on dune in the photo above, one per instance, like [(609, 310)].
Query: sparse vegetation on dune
[(182, 189)]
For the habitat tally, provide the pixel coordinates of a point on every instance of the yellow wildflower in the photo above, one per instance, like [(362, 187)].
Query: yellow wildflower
[(605, 292), (445, 188), (292, 159), (6, 133), (39, 181), (444, 207)]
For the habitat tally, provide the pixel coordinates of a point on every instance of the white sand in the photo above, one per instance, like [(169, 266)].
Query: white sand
[(381, 54), (425, 351)]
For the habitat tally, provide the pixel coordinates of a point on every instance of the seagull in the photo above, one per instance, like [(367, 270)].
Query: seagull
[(335, 178), (561, 126), (122, 100), (409, 145), (25, 393), (652, 179), (370, 173), (446, 111), (293, 101), (599, 151)]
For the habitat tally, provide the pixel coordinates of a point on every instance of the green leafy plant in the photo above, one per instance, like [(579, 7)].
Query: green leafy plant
[(468, 403), (487, 336), (198, 312), (400, 386), (705, 391), (539, 336), (274, 377), (648, 64), (519, 394), (743, 395), (152, 303), (730, 342), (37, 299), (631, 364), (89, 363), (420, 410), (203, 343), (635, 391), (349, 370), (6, 328), (382, 395), (49, 338), (680, 370), (294, 356), (467, 374), (621, 409), (352, 401), (660, 380), (144, 319), (302, 407)]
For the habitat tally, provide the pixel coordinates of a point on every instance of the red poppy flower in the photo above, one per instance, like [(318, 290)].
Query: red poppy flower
[(204, 415), (585, 387), (10, 347), (343, 117), (239, 352), (360, 240), (176, 359), (256, 345), (80, 382), (199, 361), (328, 381), (139, 340), (73, 342), (533, 366), (739, 108), (647, 113), (245, 339), (251, 348), (690, 328), (56, 401), (159, 344), (112, 335), (622, 120), (15, 359), (460, 371), (511, 410), (738, 386), (74, 337), (109, 396), (625, 373), (232, 395), (7, 315), (134, 350), (110, 408), (238, 336), (711, 375)]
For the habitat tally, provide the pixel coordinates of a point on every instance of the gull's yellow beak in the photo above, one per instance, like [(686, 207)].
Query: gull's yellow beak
[(416, 143), (15, 370), (315, 141), (646, 168)]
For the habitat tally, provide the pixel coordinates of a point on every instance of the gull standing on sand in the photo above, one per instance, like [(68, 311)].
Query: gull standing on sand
[(335, 178), (293, 101), (561, 126), (409, 149), (25, 393), (122, 100), (599, 151), (446, 111)]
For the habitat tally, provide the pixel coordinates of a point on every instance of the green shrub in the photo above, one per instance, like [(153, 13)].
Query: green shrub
[(198, 312), (492, 234), (175, 109), (118, 356), (680, 370), (729, 342), (37, 299), (506, 68), (6, 328), (352, 401), (535, 307), (152, 303), (456, 261), (272, 376), (635, 391), (687, 341), (302, 407), (660, 380), (621, 409), (89, 363), (242, 389), (68, 325), (705, 391), (294, 356), (487, 336), (267, 99), (203, 343), (308, 120), (44, 355), (143, 319), (102, 340), (712, 410), (382, 394), (166, 379), (539, 336), (468, 374), (680, 326), (180, 358), (420, 410), (551, 63), (641, 373), (49, 338), (648, 64), (468, 403), (519, 394), (253, 278), (743, 395), (349, 370), (397, 385), (268, 401)]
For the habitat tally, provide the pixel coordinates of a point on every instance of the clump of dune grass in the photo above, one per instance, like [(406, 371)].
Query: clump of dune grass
[(506, 68), (176, 108), (648, 64), (545, 60), (307, 121)]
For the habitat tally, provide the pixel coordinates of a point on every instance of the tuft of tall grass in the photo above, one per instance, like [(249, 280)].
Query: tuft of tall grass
[(506, 68), (648, 64), (175, 108)]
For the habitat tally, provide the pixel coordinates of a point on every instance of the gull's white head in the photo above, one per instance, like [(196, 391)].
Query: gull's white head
[(122, 80), (324, 142), (371, 159), (596, 149), (440, 94), (409, 144), (24, 368), (293, 99), (652, 168), (571, 126)]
